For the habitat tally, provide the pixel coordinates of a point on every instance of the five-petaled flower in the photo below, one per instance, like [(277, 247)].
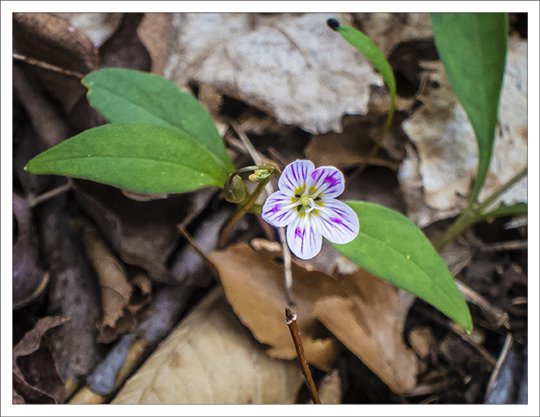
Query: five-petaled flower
[(306, 204)]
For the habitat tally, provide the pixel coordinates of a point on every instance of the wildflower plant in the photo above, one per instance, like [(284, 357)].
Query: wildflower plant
[(161, 140)]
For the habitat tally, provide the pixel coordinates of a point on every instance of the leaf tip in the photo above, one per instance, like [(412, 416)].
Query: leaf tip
[(333, 24)]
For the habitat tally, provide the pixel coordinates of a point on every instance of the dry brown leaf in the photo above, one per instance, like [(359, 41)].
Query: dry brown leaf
[(435, 182), (210, 358), (115, 288), (361, 310), (291, 66), (35, 377), (154, 33)]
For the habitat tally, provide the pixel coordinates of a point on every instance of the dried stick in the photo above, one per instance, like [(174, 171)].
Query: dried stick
[(295, 334), (48, 66)]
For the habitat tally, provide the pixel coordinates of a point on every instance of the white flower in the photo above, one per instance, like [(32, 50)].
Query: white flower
[(306, 204)]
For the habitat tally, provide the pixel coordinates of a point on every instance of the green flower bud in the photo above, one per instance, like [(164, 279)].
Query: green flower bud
[(235, 190)]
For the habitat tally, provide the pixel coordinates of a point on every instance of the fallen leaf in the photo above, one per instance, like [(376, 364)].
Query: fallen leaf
[(361, 310), (113, 282), (35, 377), (291, 66), (447, 158), (210, 358), (72, 293), (154, 33), (29, 281), (330, 389), (98, 27)]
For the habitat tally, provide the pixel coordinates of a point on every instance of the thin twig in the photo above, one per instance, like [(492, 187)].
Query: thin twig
[(504, 352), (259, 160), (33, 201), (48, 66), (295, 334)]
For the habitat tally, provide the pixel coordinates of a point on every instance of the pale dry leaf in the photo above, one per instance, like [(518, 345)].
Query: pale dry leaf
[(330, 389), (292, 66), (96, 26), (210, 358), (447, 157), (364, 312)]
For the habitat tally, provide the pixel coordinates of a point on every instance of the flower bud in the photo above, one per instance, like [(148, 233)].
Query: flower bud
[(235, 190)]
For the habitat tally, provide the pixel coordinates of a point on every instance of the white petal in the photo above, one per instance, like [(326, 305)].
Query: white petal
[(337, 222), (304, 240), (329, 181), (295, 175), (277, 210)]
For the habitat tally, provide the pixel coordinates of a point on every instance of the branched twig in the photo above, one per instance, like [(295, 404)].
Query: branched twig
[(295, 334)]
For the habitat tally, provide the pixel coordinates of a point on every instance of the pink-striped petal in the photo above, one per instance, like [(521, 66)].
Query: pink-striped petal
[(337, 222), (328, 181), (295, 175), (277, 210), (304, 240)]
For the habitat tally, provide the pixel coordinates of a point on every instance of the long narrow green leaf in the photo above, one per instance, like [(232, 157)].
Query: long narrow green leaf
[(472, 47), (375, 56), (139, 157), (390, 246), (128, 96)]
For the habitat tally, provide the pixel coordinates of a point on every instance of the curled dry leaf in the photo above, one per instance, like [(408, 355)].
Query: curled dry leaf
[(436, 181), (115, 288), (361, 310), (292, 66), (35, 377), (28, 279), (210, 358)]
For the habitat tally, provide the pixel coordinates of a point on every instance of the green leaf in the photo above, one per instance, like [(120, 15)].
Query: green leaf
[(135, 156), (377, 59), (390, 246), (472, 47), (128, 96)]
